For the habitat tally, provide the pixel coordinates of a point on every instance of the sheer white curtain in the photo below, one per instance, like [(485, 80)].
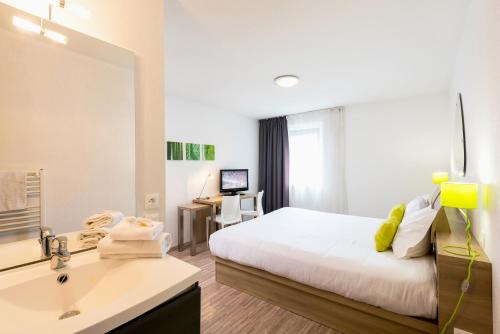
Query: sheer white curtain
[(317, 160)]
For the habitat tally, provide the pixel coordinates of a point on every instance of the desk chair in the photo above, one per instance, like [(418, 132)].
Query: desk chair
[(230, 212), (260, 210)]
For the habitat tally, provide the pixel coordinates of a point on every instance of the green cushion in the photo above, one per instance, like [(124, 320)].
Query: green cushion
[(385, 234), (398, 212)]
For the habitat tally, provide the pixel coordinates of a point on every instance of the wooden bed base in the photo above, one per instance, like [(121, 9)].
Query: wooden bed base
[(349, 316)]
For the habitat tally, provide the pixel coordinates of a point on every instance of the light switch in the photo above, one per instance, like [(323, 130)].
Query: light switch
[(151, 201)]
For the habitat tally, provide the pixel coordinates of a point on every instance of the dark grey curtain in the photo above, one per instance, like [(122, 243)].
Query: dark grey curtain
[(273, 162)]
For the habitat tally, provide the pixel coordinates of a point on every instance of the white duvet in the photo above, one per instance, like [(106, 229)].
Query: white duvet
[(332, 252)]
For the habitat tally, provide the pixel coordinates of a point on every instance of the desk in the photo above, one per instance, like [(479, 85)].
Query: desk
[(216, 201), (193, 209)]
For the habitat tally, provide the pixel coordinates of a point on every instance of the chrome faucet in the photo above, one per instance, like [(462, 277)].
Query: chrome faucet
[(55, 248), (46, 237), (60, 253)]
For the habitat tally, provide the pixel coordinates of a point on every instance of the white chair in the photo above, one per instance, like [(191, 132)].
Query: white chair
[(260, 210), (230, 212)]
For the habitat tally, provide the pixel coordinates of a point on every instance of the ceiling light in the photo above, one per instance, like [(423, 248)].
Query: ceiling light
[(55, 36), (286, 80), (26, 25)]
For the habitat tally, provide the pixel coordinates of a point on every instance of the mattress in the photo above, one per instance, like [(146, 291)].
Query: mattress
[(332, 252)]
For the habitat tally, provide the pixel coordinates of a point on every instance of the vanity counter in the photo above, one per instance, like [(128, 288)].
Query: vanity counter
[(106, 293)]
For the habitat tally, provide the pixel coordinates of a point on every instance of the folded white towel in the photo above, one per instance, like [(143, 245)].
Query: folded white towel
[(157, 247), (132, 228), (103, 219), (12, 190), (90, 238)]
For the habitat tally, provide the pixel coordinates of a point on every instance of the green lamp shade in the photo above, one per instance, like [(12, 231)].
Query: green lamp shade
[(459, 195), (439, 177)]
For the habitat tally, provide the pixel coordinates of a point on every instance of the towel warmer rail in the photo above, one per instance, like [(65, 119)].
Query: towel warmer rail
[(34, 214)]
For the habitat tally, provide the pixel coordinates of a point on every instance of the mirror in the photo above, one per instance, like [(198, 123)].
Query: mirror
[(459, 150), (67, 120)]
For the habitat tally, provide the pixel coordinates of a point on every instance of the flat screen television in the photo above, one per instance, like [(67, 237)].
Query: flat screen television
[(233, 180)]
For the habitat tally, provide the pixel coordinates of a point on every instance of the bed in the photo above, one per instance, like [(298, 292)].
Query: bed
[(324, 267)]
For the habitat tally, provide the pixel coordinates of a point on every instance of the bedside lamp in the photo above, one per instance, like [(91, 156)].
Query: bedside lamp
[(439, 177), (209, 176), (461, 196)]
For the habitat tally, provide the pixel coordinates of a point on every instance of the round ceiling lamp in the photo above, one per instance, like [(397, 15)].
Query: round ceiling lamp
[(286, 80)]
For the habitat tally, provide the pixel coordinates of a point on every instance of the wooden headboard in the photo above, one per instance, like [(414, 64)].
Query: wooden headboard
[(476, 313)]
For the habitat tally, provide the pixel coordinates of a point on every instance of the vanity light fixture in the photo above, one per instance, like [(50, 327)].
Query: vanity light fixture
[(26, 25), (287, 80), (55, 36), (38, 29)]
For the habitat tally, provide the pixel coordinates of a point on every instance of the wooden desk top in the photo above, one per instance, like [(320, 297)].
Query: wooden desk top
[(217, 200), (194, 207)]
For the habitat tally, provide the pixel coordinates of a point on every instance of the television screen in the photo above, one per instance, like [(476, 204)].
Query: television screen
[(233, 180)]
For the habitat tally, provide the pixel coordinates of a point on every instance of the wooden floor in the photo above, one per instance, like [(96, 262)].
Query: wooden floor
[(226, 310)]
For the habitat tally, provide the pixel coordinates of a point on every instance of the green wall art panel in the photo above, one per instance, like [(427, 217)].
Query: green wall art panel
[(174, 150), (208, 152), (193, 151)]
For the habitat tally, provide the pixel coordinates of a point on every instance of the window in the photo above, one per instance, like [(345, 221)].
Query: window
[(305, 158)]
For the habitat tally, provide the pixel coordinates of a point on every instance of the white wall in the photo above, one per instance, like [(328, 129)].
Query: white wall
[(236, 146), (477, 77), (73, 116), (392, 148)]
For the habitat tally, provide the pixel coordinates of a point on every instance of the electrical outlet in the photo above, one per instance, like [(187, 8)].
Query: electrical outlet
[(460, 331), (151, 201)]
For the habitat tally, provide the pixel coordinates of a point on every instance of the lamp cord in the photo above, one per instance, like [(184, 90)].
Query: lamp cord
[(472, 254)]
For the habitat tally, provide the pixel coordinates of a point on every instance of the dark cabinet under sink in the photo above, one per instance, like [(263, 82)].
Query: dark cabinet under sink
[(179, 315)]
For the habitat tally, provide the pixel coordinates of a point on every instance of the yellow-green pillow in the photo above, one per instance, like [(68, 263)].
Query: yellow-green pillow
[(385, 234), (398, 211)]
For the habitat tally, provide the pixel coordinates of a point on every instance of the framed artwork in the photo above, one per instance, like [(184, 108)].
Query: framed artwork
[(174, 150), (208, 152), (193, 151)]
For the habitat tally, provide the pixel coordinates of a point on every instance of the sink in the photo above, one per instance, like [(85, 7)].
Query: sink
[(90, 294)]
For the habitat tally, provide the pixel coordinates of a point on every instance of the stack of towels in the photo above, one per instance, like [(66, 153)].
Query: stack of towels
[(135, 238), (97, 226)]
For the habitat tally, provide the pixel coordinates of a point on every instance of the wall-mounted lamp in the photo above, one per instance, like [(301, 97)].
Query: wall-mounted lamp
[(439, 177)]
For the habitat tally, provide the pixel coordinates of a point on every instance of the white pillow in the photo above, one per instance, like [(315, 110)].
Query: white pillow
[(416, 204), (413, 238)]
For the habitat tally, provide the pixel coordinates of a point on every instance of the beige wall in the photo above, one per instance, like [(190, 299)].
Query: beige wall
[(72, 115), (139, 27)]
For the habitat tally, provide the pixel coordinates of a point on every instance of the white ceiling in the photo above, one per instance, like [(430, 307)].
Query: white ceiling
[(225, 53)]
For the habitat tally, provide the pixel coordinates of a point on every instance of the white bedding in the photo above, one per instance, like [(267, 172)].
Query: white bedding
[(332, 252)]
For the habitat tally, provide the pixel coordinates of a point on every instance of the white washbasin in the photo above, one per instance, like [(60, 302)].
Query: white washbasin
[(106, 293)]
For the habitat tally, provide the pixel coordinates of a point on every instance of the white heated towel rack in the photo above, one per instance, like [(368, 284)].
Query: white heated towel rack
[(34, 214)]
